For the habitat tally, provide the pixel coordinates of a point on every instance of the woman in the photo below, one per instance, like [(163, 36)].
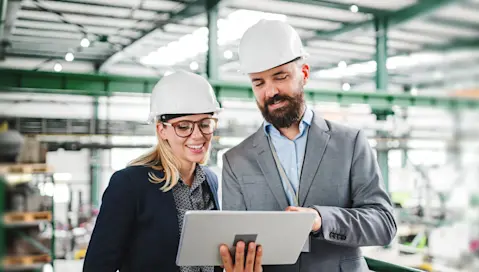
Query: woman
[(140, 220)]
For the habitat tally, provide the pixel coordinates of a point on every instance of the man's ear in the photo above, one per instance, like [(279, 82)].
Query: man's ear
[(160, 129), (305, 70)]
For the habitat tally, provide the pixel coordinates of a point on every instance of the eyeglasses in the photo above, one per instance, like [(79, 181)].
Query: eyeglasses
[(185, 128)]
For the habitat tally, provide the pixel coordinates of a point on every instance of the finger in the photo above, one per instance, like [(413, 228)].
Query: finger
[(250, 257), (292, 209), (239, 262), (226, 258), (259, 259)]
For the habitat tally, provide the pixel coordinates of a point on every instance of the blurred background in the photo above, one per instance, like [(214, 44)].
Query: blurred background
[(75, 78)]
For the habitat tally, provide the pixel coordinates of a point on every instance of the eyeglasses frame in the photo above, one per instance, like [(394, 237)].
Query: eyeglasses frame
[(195, 124)]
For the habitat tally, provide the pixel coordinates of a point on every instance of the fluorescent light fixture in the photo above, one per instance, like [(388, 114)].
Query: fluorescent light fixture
[(191, 45)]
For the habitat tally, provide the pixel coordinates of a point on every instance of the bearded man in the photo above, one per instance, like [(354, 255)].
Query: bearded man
[(300, 162)]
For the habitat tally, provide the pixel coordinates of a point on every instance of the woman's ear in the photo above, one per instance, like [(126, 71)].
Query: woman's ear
[(160, 129)]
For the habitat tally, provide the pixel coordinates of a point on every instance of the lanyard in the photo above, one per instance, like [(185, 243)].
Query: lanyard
[(284, 177)]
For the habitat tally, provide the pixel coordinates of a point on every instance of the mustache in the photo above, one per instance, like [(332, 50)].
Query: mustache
[(277, 98)]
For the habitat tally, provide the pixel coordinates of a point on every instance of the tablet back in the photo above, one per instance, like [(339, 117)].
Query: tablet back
[(281, 234)]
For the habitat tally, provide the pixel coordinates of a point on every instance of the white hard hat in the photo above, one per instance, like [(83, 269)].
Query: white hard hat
[(182, 93), (268, 44)]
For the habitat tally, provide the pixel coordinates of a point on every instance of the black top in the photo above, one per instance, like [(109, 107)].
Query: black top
[(137, 227)]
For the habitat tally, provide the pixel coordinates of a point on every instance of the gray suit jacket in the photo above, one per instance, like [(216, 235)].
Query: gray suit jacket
[(341, 179)]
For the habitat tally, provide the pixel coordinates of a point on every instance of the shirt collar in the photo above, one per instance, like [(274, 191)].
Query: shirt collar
[(305, 121)]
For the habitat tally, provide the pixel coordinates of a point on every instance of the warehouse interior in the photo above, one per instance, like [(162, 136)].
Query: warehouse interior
[(76, 77)]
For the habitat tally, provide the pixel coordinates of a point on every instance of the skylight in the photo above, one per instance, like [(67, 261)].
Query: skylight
[(191, 45)]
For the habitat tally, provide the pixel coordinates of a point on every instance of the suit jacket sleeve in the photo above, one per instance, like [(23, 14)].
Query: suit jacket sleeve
[(231, 189), (370, 220), (109, 240)]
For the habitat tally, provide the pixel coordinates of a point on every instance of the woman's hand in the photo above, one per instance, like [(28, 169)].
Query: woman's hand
[(253, 258)]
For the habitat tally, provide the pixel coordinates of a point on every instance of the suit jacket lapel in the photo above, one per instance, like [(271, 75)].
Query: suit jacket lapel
[(318, 138), (268, 167)]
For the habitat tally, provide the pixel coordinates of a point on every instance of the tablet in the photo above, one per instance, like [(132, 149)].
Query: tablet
[(281, 234)]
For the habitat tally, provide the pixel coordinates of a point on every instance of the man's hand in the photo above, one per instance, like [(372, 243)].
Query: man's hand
[(253, 259), (317, 219)]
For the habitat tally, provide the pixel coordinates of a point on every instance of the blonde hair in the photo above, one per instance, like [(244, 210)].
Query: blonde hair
[(161, 158)]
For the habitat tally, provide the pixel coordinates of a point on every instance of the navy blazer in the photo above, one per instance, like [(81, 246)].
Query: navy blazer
[(137, 227)]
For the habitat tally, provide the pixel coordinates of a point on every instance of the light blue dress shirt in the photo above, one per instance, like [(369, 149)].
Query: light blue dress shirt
[(291, 152)]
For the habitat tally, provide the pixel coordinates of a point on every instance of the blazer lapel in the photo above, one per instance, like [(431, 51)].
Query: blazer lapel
[(268, 167), (318, 138)]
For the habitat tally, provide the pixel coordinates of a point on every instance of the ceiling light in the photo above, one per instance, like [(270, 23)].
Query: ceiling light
[(194, 66), (228, 54), (346, 87), (57, 67), (354, 8), (85, 42), (438, 75), (69, 56), (342, 64), (414, 91)]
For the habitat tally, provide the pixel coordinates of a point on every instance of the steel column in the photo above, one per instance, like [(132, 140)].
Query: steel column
[(454, 156), (212, 56), (3, 21), (380, 25), (3, 17), (95, 161), (3, 242)]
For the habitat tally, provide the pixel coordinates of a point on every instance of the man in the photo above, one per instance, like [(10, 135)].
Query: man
[(299, 162)]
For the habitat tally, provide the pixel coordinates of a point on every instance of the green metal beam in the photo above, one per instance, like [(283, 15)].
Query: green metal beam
[(422, 8), (454, 45), (446, 22), (104, 85), (341, 6)]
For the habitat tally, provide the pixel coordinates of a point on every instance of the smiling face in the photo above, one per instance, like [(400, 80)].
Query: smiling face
[(279, 93), (190, 149)]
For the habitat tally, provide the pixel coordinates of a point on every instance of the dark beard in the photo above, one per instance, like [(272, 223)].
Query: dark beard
[(287, 115)]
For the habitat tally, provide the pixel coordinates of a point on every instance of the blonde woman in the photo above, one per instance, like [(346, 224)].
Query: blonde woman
[(140, 220)]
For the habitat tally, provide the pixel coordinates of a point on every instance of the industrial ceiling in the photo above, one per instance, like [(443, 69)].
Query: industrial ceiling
[(432, 44)]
